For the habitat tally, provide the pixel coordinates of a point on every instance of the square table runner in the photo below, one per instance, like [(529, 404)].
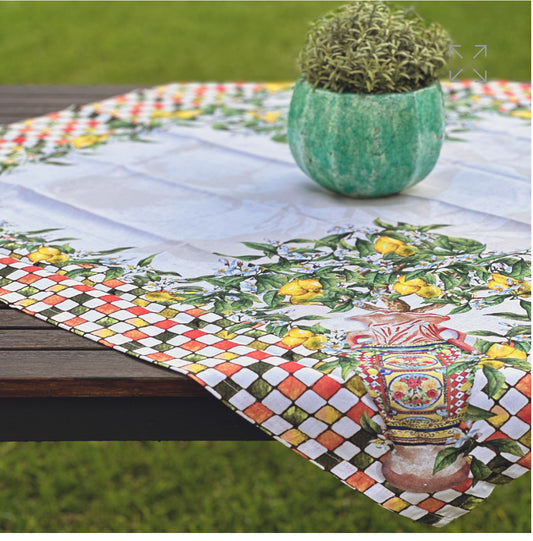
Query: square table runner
[(172, 224)]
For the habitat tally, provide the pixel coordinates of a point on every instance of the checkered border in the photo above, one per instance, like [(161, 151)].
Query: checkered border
[(306, 410), (53, 135)]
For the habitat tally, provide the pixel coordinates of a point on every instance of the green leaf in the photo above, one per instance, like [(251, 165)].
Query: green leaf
[(267, 249), (272, 299), (280, 138), (344, 307), (114, 272), (445, 458), (42, 231), (510, 315), (495, 380), (479, 470), (482, 345), (330, 241), (427, 228), (503, 445), (241, 304), (519, 269), (458, 367), (461, 309), (65, 248), (380, 223), (330, 365), (345, 370), (240, 257), (485, 333), (309, 318), (78, 272), (369, 425), (526, 305), (280, 330), (520, 329), (221, 307), (238, 327), (299, 241), (450, 282), (140, 280), (477, 414), (114, 250), (364, 247), (146, 261), (524, 346)]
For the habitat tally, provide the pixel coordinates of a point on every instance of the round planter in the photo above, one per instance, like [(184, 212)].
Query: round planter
[(411, 468), (366, 145)]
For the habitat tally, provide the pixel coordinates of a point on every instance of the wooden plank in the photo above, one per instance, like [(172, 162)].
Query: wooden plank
[(122, 419), (106, 363), (19, 102), (88, 374), (15, 319), (39, 339)]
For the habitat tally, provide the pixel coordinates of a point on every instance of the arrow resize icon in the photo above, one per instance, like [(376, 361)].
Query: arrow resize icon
[(484, 80), (452, 49), (452, 79), (483, 48)]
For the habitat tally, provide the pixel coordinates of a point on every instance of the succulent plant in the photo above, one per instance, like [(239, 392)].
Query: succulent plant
[(364, 47)]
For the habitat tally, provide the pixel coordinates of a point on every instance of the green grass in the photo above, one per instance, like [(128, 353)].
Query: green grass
[(155, 42), (205, 487)]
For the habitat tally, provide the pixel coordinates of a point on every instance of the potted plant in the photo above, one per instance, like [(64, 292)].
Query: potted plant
[(367, 116)]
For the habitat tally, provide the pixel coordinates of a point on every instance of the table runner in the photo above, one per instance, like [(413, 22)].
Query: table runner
[(172, 224)]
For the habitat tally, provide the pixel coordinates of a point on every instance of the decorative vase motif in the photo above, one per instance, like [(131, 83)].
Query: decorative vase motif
[(407, 369), (366, 145)]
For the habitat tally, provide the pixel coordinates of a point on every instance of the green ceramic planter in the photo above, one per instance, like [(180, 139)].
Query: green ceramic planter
[(364, 145)]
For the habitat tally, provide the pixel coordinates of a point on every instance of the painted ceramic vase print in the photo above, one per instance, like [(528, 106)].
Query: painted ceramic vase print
[(366, 145), (404, 360)]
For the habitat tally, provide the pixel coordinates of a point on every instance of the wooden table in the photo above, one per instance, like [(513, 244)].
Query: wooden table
[(55, 385)]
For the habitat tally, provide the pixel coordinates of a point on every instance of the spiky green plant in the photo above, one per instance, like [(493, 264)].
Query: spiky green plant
[(363, 47)]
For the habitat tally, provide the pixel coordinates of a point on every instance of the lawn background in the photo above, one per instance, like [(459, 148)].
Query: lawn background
[(211, 486)]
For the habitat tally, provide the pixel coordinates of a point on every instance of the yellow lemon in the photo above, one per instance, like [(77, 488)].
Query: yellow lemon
[(271, 116), (162, 296), (386, 245), (44, 253), (310, 285), (186, 115), (492, 364), (300, 333), (292, 288), (503, 351), (48, 251), (84, 141), (315, 342), (276, 87), (501, 282), (429, 291), (521, 114), (292, 341), (404, 289), (405, 250), (58, 259), (416, 282), (304, 299), (407, 287), (35, 257), (161, 114)]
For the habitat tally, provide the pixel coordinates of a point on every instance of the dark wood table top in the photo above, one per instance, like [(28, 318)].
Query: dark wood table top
[(55, 385)]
